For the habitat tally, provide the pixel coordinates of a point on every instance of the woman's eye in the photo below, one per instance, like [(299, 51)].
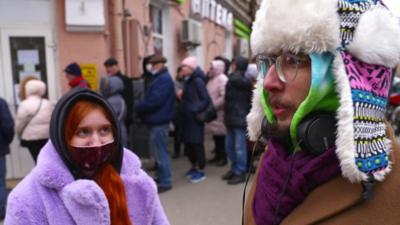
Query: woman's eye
[(106, 130), (84, 132)]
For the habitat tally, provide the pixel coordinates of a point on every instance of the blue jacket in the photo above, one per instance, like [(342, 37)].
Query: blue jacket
[(195, 99), (158, 104), (6, 128)]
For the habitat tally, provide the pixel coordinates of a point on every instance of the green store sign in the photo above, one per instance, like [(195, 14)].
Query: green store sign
[(241, 29)]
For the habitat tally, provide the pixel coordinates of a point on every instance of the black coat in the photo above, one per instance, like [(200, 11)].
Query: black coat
[(237, 100), (195, 99), (6, 128)]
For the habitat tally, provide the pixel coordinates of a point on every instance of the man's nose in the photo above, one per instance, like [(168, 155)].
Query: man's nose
[(271, 81)]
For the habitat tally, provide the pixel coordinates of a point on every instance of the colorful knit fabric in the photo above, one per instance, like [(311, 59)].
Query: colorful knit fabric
[(350, 12), (369, 88)]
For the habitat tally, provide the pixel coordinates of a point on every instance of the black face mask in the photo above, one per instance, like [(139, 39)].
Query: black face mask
[(89, 159)]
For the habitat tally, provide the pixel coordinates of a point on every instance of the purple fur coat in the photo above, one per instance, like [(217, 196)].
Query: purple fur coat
[(49, 195)]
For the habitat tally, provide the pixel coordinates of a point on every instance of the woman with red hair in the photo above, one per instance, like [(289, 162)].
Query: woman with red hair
[(83, 175)]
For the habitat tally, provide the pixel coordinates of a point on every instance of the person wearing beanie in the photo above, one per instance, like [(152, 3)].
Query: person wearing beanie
[(194, 99), (189, 66), (237, 106), (74, 75), (112, 69), (330, 156)]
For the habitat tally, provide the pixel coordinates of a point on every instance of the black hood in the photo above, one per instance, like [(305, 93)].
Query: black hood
[(241, 63), (57, 123)]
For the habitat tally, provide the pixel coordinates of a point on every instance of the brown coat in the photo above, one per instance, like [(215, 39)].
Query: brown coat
[(339, 202)]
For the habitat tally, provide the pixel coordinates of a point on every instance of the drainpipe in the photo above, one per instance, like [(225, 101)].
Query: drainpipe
[(116, 15)]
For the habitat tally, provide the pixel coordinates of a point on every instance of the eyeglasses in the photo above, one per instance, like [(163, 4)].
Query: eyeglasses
[(287, 65)]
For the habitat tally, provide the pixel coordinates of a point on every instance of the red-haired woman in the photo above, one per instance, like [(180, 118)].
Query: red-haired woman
[(83, 175)]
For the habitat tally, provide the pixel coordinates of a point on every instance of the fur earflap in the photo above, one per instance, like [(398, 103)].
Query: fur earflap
[(377, 38), (296, 26), (345, 150), (256, 115)]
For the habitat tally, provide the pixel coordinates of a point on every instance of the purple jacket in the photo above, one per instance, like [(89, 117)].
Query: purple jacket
[(49, 195)]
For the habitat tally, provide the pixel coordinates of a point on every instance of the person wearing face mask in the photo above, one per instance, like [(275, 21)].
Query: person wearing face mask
[(83, 174), (146, 75), (195, 99), (157, 108)]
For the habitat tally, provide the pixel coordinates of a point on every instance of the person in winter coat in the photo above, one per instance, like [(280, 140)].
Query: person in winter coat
[(83, 174), (237, 106), (178, 119), (216, 89), (194, 100), (158, 109), (111, 88), (112, 68), (6, 137), (330, 157), (33, 117), (74, 76)]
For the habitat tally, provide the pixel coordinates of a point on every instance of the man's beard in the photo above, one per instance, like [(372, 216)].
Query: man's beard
[(280, 133)]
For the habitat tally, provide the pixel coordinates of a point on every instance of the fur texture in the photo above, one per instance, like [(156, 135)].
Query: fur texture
[(296, 26), (256, 115), (377, 38), (50, 195)]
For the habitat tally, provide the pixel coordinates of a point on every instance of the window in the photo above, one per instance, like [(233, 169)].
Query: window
[(156, 16)]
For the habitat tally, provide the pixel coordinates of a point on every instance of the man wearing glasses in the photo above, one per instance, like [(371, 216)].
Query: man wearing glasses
[(330, 157)]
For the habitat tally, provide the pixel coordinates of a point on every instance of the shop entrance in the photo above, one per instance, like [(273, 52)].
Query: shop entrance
[(24, 52)]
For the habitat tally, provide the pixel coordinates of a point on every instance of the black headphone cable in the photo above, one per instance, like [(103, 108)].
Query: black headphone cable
[(286, 184)]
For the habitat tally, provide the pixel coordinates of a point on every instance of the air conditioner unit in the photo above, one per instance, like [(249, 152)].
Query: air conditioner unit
[(191, 33)]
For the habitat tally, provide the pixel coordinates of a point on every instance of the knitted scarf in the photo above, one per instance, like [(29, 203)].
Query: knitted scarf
[(285, 179)]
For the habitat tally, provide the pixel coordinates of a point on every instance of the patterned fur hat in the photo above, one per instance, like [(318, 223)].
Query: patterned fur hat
[(363, 37)]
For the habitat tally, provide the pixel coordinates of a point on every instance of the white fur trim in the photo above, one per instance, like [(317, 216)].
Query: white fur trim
[(377, 38), (256, 115), (296, 25), (345, 150)]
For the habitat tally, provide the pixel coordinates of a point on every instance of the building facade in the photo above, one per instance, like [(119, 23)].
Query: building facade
[(41, 37)]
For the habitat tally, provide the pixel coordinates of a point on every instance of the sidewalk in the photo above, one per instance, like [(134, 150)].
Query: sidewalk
[(209, 202)]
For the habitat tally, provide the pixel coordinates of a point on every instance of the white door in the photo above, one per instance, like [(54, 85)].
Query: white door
[(24, 52)]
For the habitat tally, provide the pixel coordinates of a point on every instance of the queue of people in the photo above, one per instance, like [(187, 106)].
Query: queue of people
[(316, 98)]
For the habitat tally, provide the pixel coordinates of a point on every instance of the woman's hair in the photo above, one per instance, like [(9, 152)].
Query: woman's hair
[(106, 177), (22, 84)]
